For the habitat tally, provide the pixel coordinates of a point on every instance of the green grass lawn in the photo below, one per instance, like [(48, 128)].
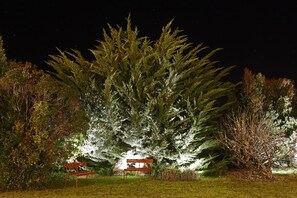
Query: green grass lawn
[(116, 186)]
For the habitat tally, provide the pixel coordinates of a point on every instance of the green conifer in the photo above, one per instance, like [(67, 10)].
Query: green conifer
[(158, 98)]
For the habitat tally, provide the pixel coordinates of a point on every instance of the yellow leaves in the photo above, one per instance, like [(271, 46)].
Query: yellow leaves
[(40, 137), (3, 59), (19, 126), (40, 115), (24, 156)]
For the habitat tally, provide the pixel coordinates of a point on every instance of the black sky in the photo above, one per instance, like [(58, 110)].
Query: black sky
[(260, 35)]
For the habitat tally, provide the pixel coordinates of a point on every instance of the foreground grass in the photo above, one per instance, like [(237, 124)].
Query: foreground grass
[(117, 187)]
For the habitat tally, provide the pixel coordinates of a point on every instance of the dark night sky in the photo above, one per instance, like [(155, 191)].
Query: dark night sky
[(255, 34)]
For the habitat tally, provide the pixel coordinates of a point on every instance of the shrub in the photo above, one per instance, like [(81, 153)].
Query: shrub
[(251, 140), (37, 121), (170, 174), (173, 174), (188, 175)]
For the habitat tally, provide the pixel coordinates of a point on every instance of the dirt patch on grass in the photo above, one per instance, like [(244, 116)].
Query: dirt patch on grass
[(242, 174)]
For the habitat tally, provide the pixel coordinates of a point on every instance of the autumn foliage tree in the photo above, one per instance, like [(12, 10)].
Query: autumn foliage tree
[(262, 133), (37, 122), (275, 98)]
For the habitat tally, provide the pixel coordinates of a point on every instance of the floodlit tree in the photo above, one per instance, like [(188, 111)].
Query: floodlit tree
[(158, 98), (37, 123)]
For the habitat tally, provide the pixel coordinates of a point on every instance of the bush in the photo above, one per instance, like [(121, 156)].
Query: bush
[(173, 174), (55, 179), (250, 138), (38, 124), (188, 175), (170, 174)]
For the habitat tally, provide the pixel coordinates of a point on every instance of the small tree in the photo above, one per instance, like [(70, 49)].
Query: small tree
[(275, 98), (267, 108), (252, 142)]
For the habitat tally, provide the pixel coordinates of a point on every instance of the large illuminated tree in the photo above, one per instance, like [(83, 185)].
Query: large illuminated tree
[(158, 98)]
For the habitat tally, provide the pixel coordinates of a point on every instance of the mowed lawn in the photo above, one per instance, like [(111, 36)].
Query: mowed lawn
[(116, 186)]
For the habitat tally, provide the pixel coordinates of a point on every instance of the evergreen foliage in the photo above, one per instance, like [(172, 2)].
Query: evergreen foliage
[(159, 98)]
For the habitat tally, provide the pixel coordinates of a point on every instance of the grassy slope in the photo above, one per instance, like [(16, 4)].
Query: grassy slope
[(142, 187)]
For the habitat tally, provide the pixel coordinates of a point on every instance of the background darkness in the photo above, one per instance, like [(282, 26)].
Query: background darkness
[(255, 34)]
